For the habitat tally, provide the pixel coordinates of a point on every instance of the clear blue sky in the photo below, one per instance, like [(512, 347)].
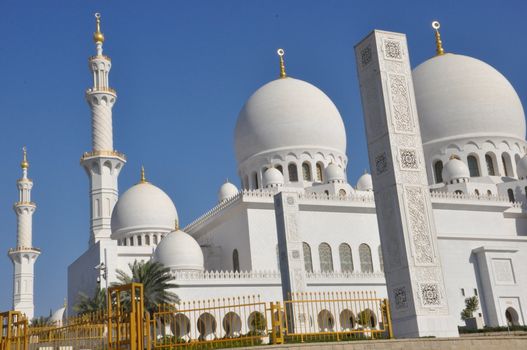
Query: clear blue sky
[(183, 70)]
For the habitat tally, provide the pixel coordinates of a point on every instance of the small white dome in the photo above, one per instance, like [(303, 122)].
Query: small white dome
[(143, 208), (459, 96), (521, 168), (272, 177), (227, 190), (455, 169), (288, 114), (179, 251), (57, 318), (334, 173), (365, 183)]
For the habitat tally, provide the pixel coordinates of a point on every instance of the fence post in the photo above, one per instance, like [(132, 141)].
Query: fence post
[(388, 317), (277, 335)]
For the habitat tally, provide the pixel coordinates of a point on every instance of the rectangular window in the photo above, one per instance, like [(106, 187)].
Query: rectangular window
[(475, 292), (463, 291)]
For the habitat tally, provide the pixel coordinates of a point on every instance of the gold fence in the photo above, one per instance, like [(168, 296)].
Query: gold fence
[(206, 324)]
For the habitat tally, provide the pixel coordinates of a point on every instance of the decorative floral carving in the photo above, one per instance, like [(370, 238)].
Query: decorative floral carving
[(401, 117), (408, 159), (392, 50), (430, 295), (418, 225), (366, 55), (381, 163), (399, 295)]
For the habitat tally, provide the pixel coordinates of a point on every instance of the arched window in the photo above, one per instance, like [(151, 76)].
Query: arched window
[(255, 180), (155, 240), (306, 171), (147, 239), (319, 172), (473, 166), (342, 193), (381, 261), (308, 262), (139, 240), (279, 168), (235, 261), (438, 171), (326, 192), (489, 192), (490, 164), (132, 241), (507, 164), (293, 174), (346, 261), (326, 259), (366, 264), (246, 182), (510, 193), (476, 192)]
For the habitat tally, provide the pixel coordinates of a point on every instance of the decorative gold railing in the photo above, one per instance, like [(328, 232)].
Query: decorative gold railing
[(102, 153)]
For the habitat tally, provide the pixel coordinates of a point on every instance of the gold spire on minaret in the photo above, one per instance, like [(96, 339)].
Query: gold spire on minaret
[(143, 177), (98, 36), (439, 44), (24, 164), (281, 54)]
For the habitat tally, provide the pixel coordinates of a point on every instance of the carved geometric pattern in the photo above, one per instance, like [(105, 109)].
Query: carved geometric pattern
[(402, 118), (291, 226), (418, 225), (430, 295), (408, 159), (503, 270), (399, 295), (392, 50), (381, 163), (366, 55)]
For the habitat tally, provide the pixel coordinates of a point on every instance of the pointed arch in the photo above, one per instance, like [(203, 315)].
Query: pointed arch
[(346, 260), (366, 263), (308, 261), (326, 258)]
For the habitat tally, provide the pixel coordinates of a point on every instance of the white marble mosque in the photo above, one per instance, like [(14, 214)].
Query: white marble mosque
[(457, 131)]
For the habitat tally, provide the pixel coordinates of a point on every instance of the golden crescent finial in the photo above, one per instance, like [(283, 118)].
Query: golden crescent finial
[(98, 36), (281, 54), (143, 177), (24, 164), (439, 44)]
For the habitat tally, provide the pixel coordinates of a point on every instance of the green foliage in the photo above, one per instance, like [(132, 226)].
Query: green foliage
[(364, 318), (156, 280), (88, 305), (471, 305), (41, 321)]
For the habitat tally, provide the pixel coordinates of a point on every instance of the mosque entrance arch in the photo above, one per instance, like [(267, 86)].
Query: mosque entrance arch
[(511, 315)]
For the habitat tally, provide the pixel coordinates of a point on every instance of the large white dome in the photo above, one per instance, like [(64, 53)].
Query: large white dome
[(286, 114), (459, 96), (143, 208), (179, 252)]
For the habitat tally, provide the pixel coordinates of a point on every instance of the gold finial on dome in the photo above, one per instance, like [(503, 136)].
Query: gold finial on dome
[(143, 177), (176, 225), (439, 44), (98, 36), (24, 164), (281, 54)]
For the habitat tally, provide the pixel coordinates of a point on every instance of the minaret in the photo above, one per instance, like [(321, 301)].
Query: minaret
[(102, 164), (24, 255)]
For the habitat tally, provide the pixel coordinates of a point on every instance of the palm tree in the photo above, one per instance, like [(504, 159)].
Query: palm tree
[(87, 305), (156, 280)]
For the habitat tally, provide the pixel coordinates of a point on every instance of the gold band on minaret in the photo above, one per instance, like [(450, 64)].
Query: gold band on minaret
[(98, 36), (143, 177), (281, 54), (24, 164), (439, 44)]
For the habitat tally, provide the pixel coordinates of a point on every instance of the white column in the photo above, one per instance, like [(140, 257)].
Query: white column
[(103, 164), (24, 255), (414, 277)]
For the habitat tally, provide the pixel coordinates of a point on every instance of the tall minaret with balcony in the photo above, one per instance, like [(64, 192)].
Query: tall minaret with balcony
[(102, 164), (24, 255)]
